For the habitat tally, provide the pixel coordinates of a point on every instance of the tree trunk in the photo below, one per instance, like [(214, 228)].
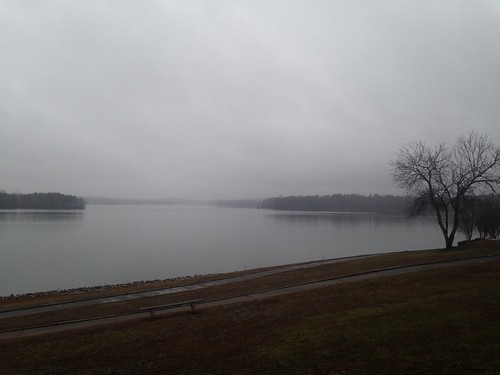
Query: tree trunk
[(443, 225), (449, 242), (449, 238), (456, 219)]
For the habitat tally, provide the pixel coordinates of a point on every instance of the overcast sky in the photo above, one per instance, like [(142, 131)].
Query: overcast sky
[(237, 99)]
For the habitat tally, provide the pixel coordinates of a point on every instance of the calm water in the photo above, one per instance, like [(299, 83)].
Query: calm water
[(46, 250)]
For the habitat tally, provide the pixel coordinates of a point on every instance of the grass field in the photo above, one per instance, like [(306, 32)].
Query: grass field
[(442, 321)]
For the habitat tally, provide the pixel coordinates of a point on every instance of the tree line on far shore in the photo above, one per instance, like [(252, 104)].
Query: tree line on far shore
[(380, 204), (44, 201)]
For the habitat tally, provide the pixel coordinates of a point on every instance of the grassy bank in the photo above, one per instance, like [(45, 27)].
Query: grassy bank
[(428, 322)]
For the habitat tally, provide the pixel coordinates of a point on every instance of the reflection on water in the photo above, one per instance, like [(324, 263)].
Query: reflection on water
[(323, 217), (342, 218), (40, 215)]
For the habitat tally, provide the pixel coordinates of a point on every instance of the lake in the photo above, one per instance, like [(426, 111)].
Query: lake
[(110, 244)]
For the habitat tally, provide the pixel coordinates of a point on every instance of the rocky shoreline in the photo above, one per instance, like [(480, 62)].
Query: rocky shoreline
[(99, 288)]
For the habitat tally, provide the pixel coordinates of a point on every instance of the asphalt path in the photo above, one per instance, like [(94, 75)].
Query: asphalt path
[(259, 295), (164, 291)]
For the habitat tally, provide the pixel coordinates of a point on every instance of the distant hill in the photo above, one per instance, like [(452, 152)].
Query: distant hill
[(44, 201)]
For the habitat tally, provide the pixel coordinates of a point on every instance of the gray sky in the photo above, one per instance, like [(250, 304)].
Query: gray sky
[(237, 99)]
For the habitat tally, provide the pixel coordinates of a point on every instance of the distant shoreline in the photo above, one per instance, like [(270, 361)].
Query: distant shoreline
[(43, 201)]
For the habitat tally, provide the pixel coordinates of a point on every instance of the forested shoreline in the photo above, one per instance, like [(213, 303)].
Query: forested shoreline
[(43, 201), (380, 204)]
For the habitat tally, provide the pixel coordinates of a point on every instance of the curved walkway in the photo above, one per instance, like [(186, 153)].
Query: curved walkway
[(163, 291), (62, 326)]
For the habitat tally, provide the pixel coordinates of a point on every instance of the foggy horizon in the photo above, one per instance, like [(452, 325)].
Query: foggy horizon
[(237, 100)]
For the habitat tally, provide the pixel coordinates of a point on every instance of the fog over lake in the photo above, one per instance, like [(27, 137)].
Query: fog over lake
[(237, 99), (107, 244)]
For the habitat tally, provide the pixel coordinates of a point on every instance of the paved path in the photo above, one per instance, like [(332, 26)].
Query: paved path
[(248, 297), (164, 291)]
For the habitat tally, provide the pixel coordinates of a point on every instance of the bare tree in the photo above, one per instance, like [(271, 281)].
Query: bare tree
[(443, 178)]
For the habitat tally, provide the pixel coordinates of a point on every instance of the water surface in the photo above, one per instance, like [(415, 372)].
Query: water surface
[(47, 250)]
